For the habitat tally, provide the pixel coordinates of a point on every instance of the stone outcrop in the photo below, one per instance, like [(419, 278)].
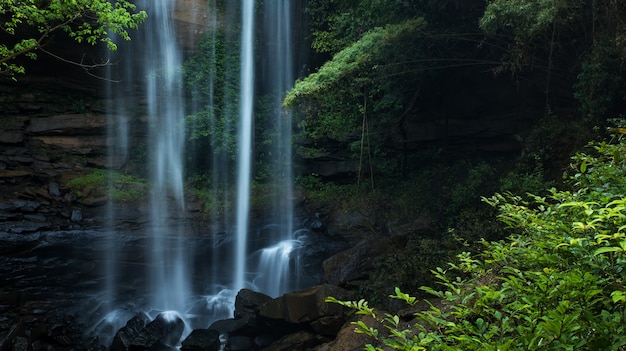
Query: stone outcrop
[(295, 321)]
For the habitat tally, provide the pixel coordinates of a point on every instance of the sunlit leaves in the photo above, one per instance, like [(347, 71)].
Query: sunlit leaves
[(354, 62), (526, 18), (556, 284), (86, 21)]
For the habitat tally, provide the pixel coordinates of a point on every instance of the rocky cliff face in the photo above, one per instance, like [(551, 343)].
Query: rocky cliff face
[(51, 130)]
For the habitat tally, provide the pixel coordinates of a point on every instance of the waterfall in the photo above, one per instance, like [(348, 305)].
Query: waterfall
[(150, 68), (162, 60), (274, 262), (223, 258), (245, 140)]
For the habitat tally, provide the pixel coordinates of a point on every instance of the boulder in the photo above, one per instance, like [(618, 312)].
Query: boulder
[(302, 340), (239, 343), (201, 340), (304, 306), (347, 339), (245, 324), (163, 332), (248, 301), (125, 336)]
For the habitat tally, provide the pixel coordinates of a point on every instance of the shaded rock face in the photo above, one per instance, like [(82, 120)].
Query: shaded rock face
[(53, 128), (466, 110), (356, 262)]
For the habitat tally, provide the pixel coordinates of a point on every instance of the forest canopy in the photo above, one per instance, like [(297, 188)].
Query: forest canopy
[(385, 57)]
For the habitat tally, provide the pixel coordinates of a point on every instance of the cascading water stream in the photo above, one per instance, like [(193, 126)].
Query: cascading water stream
[(159, 81), (164, 94), (275, 261), (173, 259), (245, 141)]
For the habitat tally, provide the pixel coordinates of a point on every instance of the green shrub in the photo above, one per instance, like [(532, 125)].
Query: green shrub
[(557, 283), (117, 186)]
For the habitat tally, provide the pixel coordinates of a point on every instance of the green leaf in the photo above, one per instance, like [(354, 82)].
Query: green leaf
[(606, 249)]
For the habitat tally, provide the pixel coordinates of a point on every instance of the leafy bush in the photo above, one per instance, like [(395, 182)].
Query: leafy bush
[(557, 283), (118, 186)]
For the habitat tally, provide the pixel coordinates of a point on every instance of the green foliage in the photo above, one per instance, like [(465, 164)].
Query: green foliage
[(85, 21), (557, 283), (446, 188), (531, 25), (212, 75), (600, 85), (589, 33), (545, 153), (353, 66), (408, 265), (117, 186), (338, 24), (213, 200), (351, 98), (527, 19)]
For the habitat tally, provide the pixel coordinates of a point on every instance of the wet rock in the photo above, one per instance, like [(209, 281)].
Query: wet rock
[(304, 306), (8, 338), (239, 343), (7, 173), (245, 324), (316, 224), (11, 137), (54, 190), (35, 218), (248, 301), (163, 332), (263, 340), (21, 343), (328, 325), (201, 340), (19, 205), (76, 216), (125, 336), (23, 227)]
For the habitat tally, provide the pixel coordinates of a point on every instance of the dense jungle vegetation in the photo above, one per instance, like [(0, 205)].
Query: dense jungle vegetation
[(550, 273)]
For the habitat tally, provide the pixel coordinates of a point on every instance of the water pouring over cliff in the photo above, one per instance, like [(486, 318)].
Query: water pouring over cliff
[(278, 75), (197, 272)]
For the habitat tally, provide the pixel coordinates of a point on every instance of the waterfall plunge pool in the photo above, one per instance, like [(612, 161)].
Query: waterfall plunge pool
[(64, 273)]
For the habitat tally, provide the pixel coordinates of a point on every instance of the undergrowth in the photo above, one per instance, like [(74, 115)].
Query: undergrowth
[(556, 283)]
